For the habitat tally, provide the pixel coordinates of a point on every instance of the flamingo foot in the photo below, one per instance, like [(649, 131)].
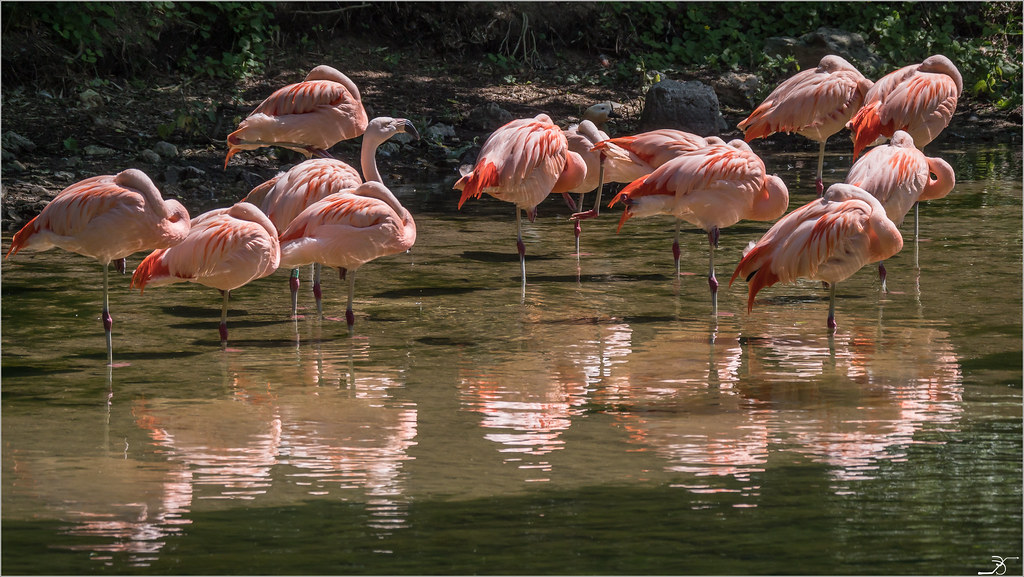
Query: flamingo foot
[(578, 216), (577, 230), (293, 285), (568, 201), (108, 322)]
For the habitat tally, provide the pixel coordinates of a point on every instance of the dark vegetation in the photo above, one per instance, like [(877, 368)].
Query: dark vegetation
[(188, 72)]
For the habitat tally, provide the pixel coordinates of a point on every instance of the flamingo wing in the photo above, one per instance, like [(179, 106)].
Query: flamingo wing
[(341, 230), (306, 96)]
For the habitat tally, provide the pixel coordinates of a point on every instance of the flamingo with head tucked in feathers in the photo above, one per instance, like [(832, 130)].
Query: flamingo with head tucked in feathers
[(107, 218), (523, 162), (827, 239), (286, 195), (713, 187), (919, 99), (308, 117), (900, 176), (346, 230), (226, 248), (815, 103)]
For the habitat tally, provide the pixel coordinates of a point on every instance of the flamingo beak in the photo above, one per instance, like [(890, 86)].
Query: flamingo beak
[(231, 152)]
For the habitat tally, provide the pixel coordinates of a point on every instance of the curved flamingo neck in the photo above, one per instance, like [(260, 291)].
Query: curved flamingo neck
[(141, 183), (368, 157), (942, 184)]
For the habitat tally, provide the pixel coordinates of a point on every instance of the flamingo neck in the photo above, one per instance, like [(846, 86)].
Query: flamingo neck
[(368, 158), (942, 184)]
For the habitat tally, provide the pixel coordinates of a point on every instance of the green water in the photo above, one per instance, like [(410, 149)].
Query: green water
[(606, 425)]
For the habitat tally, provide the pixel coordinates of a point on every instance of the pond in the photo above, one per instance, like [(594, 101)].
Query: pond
[(605, 424)]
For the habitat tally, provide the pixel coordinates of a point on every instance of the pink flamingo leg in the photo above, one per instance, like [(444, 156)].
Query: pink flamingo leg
[(224, 320), (712, 281), (293, 284), (108, 322), (832, 307), (317, 292), (675, 247), (881, 276), (350, 317)]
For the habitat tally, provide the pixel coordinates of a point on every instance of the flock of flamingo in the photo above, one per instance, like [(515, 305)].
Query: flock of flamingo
[(322, 212)]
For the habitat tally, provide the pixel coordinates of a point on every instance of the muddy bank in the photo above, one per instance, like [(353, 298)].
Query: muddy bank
[(91, 128)]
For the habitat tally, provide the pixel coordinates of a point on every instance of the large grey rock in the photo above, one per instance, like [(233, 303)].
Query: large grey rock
[(810, 48), (736, 89), (691, 106)]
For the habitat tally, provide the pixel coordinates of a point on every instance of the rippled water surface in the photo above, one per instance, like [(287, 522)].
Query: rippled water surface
[(608, 424)]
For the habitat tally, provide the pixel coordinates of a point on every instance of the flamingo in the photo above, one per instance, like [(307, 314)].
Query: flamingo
[(827, 239), (581, 139), (523, 162), (225, 249), (713, 187), (347, 230), (286, 195), (107, 218), (628, 158), (815, 103), (899, 176), (919, 99), (308, 117)]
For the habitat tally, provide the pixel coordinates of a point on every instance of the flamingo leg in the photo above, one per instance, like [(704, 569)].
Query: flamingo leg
[(712, 281), (832, 306), (675, 246), (881, 276), (120, 265), (224, 319), (317, 293), (108, 323), (350, 317), (819, 186), (293, 284), (521, 248), (594, 212), (917, 228)]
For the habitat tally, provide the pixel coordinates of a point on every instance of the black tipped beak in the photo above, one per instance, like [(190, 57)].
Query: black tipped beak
[(410, 129)]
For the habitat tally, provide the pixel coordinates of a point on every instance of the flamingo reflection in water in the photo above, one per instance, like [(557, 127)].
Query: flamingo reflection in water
[(858, 398)]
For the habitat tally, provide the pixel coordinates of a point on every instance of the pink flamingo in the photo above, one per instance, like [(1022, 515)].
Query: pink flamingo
[(919, 99), (627, 158), (581, 139), (347, 230), (899, 176), (713, 187), (815, 103), (286, 195), (308, 117), (523, 162), (106, 218), (225, 249), (827, 239)]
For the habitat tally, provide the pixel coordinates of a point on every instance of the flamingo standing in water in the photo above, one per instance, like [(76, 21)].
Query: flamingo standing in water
[(918, 99), (899, 176), (523, 162), (308, 117), (286, 195), (106, 218), (815, 103), (827, 239), (348, 229), (225, 249), (713, 187)]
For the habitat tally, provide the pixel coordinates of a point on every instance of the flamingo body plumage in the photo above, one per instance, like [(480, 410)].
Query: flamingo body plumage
[(713, 188), (523, 162), (827, 239), (348, 229), (815, 103), (899, 175), (286, 195), (107, 217), (919, 99), (226, 248), (309, 116)]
